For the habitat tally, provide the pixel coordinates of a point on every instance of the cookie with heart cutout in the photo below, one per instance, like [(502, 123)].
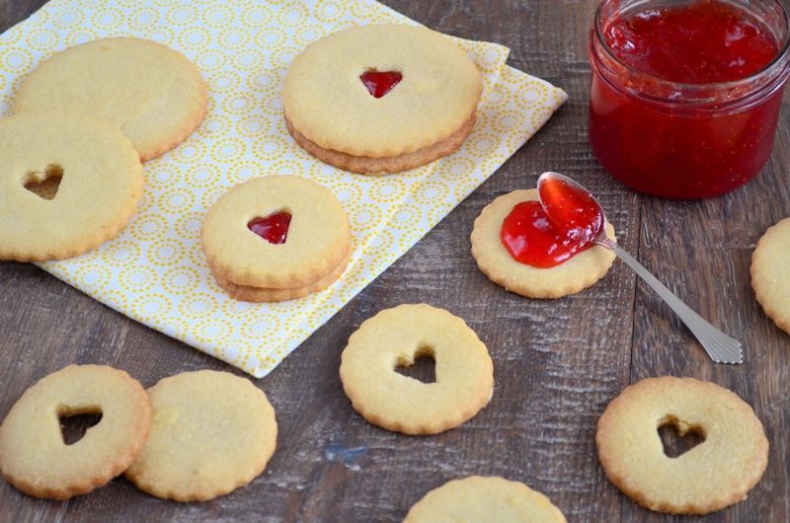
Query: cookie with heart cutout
[(717, 473), (276, 238), (396, 338), (68, 183), (381, 99), (33, 454)]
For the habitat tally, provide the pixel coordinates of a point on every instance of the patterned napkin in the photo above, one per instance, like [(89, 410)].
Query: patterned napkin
[(155, 271)]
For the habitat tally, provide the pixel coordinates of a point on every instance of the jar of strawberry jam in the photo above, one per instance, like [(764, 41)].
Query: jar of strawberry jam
[(686, 93)]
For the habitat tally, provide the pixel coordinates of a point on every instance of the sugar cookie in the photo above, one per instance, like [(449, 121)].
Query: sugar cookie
[(716, 473), (311, 246), (213, 432), (35, 459), (489, 499), (770, 273), (396, 337), (101, 181), (574, 275), (381, 98), (153, 93)]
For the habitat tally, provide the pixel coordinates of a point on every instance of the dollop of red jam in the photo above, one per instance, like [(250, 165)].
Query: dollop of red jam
[(380, 83), (545, 234), (571, 209), (272, 228), (704, 42)]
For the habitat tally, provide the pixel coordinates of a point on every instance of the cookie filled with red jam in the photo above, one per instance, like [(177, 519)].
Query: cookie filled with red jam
[(381, 99), (542, 251), (276, 238)]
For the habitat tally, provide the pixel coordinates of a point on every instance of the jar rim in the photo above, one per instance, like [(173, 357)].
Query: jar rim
[(779, 60)]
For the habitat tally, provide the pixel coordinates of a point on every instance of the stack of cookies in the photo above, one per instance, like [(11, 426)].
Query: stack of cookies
[(70, 158), (276, 238), (382, 98)]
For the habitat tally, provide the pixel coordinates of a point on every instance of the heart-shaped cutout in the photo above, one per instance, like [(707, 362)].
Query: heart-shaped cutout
[(380, 83), (678, 437), (74, 425), (272, 228), (45, 184), (422, 367)]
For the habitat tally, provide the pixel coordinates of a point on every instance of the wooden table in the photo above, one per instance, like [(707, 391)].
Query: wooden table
[(557, 363)]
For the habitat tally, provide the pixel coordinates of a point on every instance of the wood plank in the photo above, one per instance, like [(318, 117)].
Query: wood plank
[(704, 249)]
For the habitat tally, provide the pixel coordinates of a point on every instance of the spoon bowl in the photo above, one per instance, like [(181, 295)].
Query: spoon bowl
[(570, 207)]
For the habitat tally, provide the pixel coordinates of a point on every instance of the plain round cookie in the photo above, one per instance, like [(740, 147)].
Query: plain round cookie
[(478, 499), (572, 276), (318, 239), (35, 459), (715, 474), (152, 92), (396, 337), (770, 273), (213, 432), (101, 183), (327, 105)]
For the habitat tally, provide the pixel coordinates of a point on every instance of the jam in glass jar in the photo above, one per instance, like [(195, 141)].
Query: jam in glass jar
[(686, 94)]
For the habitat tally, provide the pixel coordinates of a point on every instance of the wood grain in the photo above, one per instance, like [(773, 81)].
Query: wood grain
[(557, 363)]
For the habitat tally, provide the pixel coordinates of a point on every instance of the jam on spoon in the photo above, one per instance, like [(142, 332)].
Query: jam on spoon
[(574, 210), (563, 223), (570, 208), (380, 83), (272, 228)]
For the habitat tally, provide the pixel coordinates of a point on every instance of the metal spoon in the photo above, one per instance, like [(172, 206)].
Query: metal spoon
[(719, 346)]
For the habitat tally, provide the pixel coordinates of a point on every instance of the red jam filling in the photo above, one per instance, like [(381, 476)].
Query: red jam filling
[(705, 42), (380, 83), (272, 228), (546, 235), (661, 146), (571, 210)]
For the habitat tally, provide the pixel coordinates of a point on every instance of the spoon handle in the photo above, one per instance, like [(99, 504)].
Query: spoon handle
[(720, 347)]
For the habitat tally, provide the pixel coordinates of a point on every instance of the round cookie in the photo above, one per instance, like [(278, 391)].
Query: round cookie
[(715, 474), (396, 337), (213, 432), (770, 273), (101, 181), (493, 259), (318, 236), (331, 112), (35, 459), (153, 93), (489, 499)]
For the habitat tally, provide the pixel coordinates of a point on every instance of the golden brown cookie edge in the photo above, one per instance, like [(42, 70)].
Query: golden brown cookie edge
[(113, 470), (386, 164), (698, 509)]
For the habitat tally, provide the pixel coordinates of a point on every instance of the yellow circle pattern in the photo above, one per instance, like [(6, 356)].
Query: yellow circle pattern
[(155, 270)]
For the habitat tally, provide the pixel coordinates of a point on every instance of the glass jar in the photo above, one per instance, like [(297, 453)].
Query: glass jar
[(684, 140)]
